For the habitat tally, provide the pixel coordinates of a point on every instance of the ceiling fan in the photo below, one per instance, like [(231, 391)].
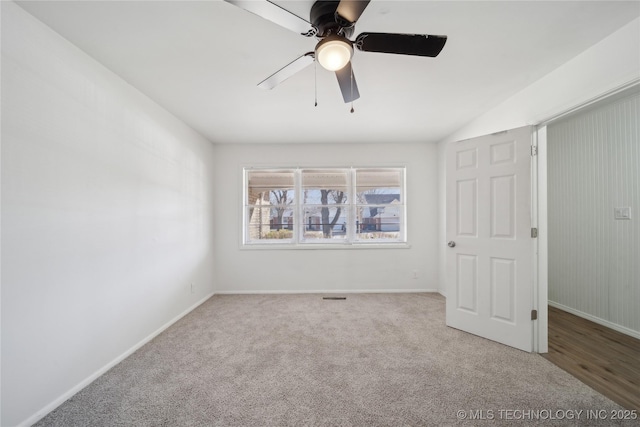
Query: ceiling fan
[(332, 23)]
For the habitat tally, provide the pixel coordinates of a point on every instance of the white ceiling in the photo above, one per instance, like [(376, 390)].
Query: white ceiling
[(202, 60)]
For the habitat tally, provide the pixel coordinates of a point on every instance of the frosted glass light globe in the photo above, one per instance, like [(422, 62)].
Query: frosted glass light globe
[(334, 52)]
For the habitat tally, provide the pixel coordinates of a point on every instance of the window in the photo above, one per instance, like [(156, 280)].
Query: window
[(317, 206), (270, 205)]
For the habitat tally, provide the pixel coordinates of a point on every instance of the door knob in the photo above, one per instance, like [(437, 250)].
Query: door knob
[(451, 244)]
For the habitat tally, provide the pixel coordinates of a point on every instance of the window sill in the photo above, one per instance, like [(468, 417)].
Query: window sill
[(324, 246)]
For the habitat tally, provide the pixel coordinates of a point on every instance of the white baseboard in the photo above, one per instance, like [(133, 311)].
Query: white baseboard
[(597, 320), (327, 291), (64, 397)]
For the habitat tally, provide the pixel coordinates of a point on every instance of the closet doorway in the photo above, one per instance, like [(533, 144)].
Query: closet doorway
[(592, 159)]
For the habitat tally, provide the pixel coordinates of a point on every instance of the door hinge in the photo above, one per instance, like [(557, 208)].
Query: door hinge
[(534, 314), (534, 150), (534, 233)]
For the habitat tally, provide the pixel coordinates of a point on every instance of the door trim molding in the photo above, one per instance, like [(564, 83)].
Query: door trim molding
[(540, 212), (576, 108), (540, 254)]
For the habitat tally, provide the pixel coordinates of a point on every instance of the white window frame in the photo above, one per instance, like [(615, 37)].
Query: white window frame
[(351, 239)]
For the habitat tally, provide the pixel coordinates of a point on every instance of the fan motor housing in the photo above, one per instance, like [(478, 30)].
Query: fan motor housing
[(323, 16)]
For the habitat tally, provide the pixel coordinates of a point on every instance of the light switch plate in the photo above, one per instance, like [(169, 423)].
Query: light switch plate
[(622, 213)]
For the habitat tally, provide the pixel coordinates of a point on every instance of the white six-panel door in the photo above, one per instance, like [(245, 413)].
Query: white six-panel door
[(489, 254)]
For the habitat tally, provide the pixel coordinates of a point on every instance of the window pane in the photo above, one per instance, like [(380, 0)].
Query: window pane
[(381, 222), (265, 223), (275, 187), (379, 208), (323, 222), (378, 186), (325, 186)]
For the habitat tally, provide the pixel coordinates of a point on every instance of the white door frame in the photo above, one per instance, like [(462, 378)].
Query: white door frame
[(540, 212), (540, 254)]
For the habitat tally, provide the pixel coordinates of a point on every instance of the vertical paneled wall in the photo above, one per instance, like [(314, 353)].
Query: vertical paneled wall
[(593, 168)]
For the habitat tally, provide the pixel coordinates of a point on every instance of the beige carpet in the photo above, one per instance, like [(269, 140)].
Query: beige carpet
[(295, 360)]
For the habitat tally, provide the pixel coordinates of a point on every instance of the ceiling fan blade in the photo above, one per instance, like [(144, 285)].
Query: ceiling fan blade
[(276, 14), (287, 71), (403, 44), (351, 10), (347, 82)]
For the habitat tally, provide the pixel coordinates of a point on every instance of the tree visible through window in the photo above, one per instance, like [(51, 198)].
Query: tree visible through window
[(313, 206)]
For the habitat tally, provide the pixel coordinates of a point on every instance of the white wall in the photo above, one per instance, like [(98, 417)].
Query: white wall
[(255, 270), (106, 218), (608, 65), (594, 165)]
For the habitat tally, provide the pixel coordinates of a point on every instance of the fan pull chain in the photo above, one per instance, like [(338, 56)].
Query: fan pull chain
[(315, 82), (352, 110)]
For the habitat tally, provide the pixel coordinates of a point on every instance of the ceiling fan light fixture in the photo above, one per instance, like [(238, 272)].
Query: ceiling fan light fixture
[(334, 52)]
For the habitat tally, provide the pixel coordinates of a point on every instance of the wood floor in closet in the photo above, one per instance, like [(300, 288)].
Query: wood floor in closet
[(606, 360)]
